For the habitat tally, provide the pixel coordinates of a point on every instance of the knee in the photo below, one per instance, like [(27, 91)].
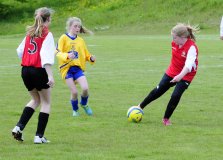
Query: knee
[(85, 90), (74, 94), (36, 102), (175, 96)]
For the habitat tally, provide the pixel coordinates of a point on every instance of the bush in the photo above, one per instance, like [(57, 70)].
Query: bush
[(4, 10)]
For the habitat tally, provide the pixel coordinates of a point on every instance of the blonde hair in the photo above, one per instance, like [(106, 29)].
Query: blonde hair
[(185, 30), (71, 20), (41, 15)]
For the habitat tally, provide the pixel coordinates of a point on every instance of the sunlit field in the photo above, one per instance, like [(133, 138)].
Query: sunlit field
[(127, 68)]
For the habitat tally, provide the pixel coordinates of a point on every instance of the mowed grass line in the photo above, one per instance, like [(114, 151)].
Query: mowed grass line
[(127, 68)]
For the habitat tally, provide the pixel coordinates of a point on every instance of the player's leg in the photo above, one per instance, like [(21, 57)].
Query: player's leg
[(74, 95), (30, 107), (45, 102), (44, 91), (175, 98), (26, 115), (163, 86), (82, 81)]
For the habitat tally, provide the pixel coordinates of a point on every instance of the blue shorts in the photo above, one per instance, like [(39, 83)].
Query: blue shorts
[(74, 72)]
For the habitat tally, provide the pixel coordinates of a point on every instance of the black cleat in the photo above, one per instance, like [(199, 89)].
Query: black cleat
[(17, 134)]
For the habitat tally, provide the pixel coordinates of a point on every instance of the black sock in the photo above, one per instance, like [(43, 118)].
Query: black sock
[(25, 117), (171, 107), (42, 122)]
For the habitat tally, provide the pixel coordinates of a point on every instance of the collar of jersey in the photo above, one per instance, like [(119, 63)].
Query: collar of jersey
[(73, 38)]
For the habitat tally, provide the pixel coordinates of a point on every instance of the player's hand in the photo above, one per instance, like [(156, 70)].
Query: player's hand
[(175, 79), (51, 81), (71, 56), (93, 58)]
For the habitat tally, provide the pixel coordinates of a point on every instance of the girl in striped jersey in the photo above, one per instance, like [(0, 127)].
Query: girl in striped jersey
[(37, 53), (181, 71)]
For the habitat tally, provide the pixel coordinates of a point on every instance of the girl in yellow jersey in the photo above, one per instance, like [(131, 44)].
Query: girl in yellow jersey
[(72, 55)]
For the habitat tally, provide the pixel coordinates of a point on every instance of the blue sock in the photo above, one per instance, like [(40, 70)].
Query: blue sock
[(84, 100), (74, 104)]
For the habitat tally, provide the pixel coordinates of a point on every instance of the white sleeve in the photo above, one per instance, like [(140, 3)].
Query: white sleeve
[(47, 51), (20, 49), (191, 57), (221, 27)]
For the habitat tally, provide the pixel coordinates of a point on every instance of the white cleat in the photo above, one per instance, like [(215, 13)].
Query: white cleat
[(38, 140)]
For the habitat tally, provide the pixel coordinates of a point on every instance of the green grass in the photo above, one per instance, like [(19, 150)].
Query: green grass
[(127, 68)]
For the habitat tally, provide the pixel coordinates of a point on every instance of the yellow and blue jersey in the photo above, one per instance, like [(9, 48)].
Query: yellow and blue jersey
[(76, 45)]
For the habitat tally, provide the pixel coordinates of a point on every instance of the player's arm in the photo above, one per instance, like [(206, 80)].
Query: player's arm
[(221, 29), (47, 50), (50, 74), (89, 57), (189, 64), (59, 50), (178, 77), (21, 47), (47, 57)]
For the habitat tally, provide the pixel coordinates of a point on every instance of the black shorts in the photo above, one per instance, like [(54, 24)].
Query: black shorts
[(35, 78)]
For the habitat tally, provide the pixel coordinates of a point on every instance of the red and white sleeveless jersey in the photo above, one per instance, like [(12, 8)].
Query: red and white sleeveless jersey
[(31, 53), (179, 56)]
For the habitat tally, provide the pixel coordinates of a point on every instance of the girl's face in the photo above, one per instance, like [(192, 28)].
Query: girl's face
[(178, 40), (75, 28)]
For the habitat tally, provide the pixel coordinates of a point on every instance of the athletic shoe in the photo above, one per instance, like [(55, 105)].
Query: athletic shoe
[(17, 134), (166, 122), (87, 110), (38, 140), (76, 114)]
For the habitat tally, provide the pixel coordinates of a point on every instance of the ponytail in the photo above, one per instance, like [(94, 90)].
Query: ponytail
[(187, 31), (41, 16), (191, 30), (85, 30)]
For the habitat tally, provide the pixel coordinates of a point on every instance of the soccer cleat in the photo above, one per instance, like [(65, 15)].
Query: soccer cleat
[(17, 134), (38, 140), (87, 110), (166, 122), (76, 114)]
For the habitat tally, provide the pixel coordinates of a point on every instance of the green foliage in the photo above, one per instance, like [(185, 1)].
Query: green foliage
[(4, 10), (116, 16)]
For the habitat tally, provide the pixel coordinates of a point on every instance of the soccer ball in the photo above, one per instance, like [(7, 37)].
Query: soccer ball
[(134, 114)]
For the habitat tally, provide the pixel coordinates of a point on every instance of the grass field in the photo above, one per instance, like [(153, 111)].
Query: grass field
[(127, 68)]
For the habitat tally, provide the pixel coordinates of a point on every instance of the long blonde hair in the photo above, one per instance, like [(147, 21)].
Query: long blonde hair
[(41, 15), (185, 30), (71, 20)]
